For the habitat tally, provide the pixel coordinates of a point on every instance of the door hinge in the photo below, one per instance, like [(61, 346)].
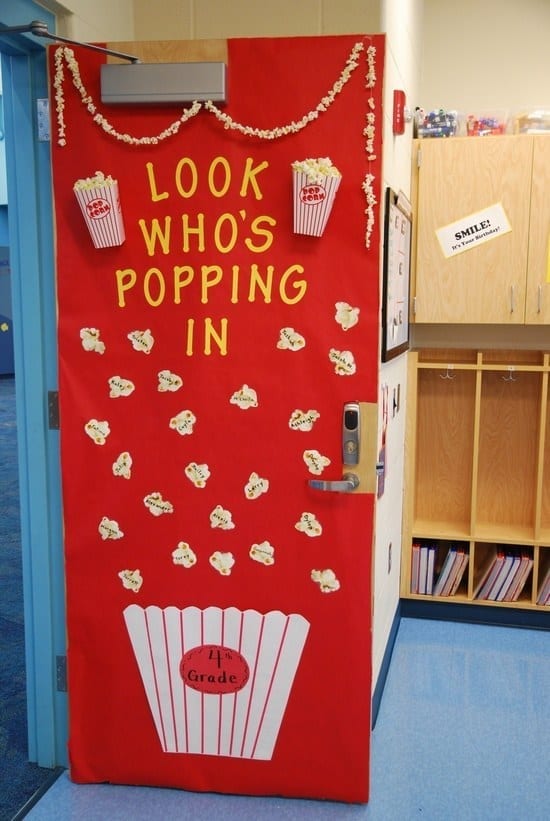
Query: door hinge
[(43, 119), (61, 674), (53, 410)]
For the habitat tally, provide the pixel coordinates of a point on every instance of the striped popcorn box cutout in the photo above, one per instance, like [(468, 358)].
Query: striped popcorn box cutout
[(217, 681), (315, 183), (99, 202)]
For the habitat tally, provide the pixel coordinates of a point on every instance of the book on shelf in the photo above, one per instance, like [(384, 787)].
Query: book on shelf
[(506, 568), (459, 572), (544, 595), (415, 566), (505, 575), (508, 575), (522, 574), (489, 575), (423, 566), (452, 571)]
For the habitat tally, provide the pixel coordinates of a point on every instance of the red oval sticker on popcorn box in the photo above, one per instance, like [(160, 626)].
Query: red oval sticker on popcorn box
[(213, 668), (98, 208), (312, 194)]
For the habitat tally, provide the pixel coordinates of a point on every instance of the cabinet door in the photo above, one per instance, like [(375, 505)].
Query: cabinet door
[(457, 178), (537, 304)]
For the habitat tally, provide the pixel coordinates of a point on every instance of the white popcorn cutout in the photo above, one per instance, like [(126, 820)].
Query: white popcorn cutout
[(183, 422), (131, 579), (120, 387), (109, 529), (197, 474), (222, 562), (221, 518), (326, 580), (309, 524), (157, 505), (346, 316), (263, 552), (91, 341), (97, 430), (255, 486), (245, 398), (290, 340), (343, 361), (169, 381), (315, 461), (183, 555), (122, 466), (303, 421), (142, 341)]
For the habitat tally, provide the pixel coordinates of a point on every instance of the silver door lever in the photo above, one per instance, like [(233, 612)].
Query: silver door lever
[(346, 484)]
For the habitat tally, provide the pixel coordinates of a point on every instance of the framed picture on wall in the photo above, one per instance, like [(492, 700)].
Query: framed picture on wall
[(396, 279)]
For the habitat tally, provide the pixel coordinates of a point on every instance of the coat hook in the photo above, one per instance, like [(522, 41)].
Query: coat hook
[(510, 377), (447, 374)]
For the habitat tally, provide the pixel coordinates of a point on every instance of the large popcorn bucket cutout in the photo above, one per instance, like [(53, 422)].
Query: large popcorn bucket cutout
[(99, 202), (217, 681), (314, 192)]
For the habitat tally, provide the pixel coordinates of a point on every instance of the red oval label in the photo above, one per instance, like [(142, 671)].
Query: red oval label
[(312, 194), (98, 208), (213, 668)]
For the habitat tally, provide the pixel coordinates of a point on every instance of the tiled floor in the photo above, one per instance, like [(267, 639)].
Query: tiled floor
[(462, 735)]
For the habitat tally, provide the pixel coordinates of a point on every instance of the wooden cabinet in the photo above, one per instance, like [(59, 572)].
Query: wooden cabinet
[(537, 304), (503, 280), (478, 465)]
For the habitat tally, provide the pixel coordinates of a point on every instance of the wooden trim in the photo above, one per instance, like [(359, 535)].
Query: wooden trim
[(172, 51)]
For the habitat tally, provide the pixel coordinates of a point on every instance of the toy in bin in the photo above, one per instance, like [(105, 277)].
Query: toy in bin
[(483, 125), (436, 123)]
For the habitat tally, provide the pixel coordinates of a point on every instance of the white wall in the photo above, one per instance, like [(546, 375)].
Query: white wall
[(94, 20), (493, 54), (401, 21)]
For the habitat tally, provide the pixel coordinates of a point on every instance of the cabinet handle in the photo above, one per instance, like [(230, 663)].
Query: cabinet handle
[(539, 299), (512, 298), (414, 306)]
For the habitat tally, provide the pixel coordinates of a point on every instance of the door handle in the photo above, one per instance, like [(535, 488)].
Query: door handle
[(346, 484)]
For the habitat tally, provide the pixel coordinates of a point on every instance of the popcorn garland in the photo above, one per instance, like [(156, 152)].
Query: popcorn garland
[(64, 54)]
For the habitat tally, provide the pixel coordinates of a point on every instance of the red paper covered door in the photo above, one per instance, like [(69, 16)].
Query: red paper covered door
[(218, 307)]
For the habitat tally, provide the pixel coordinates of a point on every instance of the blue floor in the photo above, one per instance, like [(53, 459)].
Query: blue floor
[(462, 734)]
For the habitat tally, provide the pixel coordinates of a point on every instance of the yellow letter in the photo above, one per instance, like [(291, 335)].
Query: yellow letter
[(223, 249), (178, 283), (125, 280), (223, 190), (220, 339), (265, 232), (235, 284), (249, 176), (194, 177), (161, 287), (190, 328), (265, 287), (186, 231), (151, 236), (209, 283), (153, 186), (300, 286)]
